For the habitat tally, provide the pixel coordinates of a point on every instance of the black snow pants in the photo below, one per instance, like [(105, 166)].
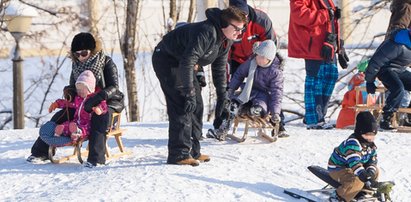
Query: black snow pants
[(185, 129)]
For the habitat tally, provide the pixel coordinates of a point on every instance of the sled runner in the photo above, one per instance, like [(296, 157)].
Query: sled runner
[(114, 131), (382, 193), (255, 122)]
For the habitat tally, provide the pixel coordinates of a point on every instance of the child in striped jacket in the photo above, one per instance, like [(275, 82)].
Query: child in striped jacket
[(354, 162)]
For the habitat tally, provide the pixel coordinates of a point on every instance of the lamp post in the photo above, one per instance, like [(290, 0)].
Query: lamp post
[(18, 18)]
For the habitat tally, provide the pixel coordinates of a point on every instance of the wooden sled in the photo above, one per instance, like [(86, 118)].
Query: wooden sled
[(114, 131), (259, 123), (374, 108)]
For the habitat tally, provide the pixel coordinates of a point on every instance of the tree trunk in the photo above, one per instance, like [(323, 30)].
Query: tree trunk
[(191, 11), (93, 10), (345, 20), (173, 15), (128, 51)]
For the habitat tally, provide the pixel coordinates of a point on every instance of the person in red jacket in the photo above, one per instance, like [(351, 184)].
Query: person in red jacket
[(259, 28), (314, 36)]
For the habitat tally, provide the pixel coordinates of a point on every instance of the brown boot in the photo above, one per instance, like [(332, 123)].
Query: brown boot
[(203, 158), (188, 161)]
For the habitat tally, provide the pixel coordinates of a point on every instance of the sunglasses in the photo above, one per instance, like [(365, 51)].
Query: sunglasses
[(82, 53), (237, 29)]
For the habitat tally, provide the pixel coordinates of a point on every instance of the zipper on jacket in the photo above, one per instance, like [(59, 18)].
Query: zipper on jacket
[(310, 43)]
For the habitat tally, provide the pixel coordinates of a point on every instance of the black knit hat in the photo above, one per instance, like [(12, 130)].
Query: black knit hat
[(83, 41), (365, 122), (240, 4)]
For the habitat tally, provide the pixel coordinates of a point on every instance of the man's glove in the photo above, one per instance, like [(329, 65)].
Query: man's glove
[(201, 78), (328, 49), (365, 176), (370, 87), (53, 106), (337, 13), (276, 118), (342, 56), (94, 101), (69, 93), (190, 103)]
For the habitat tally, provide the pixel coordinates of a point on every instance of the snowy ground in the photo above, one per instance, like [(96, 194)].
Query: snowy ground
[(252, 171)]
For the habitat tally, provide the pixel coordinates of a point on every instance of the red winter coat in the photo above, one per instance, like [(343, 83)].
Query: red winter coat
[(346, 117), (309, 23), (259, 28)]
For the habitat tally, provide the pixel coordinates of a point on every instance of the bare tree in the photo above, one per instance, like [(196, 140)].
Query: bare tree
[(191, 11), (128, 52), (93, 8)]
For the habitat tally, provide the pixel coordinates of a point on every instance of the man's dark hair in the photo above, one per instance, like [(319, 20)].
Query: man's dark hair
[(232, 14)]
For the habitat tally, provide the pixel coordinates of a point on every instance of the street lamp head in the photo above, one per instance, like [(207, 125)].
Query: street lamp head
[(18, 16)]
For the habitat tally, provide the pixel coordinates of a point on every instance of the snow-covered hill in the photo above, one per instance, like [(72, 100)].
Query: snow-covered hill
[(252, 171)]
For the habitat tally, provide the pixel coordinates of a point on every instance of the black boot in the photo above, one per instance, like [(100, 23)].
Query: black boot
[(386, 121)]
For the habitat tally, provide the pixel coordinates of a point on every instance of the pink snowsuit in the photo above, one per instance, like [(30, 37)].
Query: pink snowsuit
[(81, 117)]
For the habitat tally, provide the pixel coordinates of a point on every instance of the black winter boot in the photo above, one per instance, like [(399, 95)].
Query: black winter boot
[(386, 121)]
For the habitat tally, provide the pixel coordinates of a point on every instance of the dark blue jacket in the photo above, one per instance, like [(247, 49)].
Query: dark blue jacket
[(394, 53)]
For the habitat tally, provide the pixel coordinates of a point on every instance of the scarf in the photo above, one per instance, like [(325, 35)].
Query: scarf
[(244, 97), (95, 64)]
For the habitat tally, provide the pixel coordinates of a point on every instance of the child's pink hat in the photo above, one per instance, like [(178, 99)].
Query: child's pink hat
[(87, 78)]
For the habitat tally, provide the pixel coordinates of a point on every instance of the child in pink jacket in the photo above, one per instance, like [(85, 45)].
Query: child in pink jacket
[(79, 127)]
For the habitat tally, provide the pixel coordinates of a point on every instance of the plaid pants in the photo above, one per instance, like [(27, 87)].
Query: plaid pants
[(319, 85)]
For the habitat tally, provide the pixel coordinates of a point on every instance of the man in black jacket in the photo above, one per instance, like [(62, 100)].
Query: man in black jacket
[(87, 54), (174, 61), (389, 64)]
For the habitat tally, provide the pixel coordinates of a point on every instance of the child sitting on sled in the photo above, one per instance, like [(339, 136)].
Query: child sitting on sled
[(79, 127), (263, 90), (354, 162)]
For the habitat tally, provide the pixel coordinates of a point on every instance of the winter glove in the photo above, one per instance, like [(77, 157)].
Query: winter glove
[(342, 56), (371, 185), (371, 87), (365, 176), (53, 106), (328, 51), (190, 103), (276, 118), (337, 13), (201, 79), (69, 93), (372, 171), (94, 101)]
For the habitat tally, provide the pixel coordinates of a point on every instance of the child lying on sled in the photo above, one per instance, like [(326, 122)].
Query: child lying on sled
[(79, 127), (354, 162)]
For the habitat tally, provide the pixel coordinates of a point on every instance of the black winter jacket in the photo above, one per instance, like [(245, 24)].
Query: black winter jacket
[(394, 54), (201, 43), (114, 97)]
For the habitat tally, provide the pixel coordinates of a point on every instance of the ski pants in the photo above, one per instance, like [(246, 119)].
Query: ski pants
[(319, 84), (185, 129), (350, 186), (396, 83), (97, 137)]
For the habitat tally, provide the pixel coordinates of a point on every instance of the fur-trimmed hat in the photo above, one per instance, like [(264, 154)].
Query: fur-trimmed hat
[(88, 79), (241, 4), (365, 122), (83, 41)]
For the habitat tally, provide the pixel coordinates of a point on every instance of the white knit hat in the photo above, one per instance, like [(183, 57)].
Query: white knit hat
[(267, 49), (87, 78)]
